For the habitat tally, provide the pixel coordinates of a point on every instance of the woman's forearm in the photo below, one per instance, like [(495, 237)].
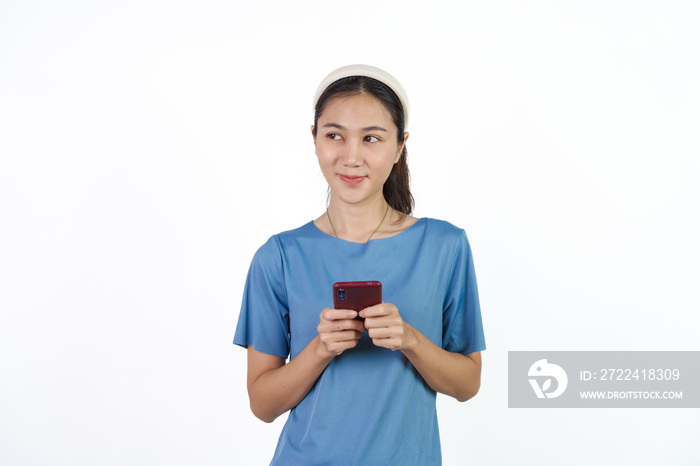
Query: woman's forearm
[(454, 374), (275, 387), (279, 387)]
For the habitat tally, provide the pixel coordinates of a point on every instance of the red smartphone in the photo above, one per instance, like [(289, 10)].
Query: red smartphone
[(356, 295)]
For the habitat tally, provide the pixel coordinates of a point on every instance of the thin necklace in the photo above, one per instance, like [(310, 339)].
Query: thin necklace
[(370, 236)]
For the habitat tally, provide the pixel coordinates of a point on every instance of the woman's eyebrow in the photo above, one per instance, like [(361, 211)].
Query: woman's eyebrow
[(368, 128), (374, 128)]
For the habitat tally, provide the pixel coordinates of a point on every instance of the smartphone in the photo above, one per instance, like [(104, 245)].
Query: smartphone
[(356, 295)]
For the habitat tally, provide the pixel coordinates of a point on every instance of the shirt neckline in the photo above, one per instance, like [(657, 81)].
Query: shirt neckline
[(420, 220)]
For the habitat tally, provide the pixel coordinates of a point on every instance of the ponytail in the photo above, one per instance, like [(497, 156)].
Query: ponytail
[(396, 189)]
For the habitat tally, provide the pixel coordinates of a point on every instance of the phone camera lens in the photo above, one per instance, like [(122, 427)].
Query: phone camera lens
[(341, 294)]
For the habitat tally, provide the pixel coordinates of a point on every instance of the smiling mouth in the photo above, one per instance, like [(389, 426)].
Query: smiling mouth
[(352, 179)]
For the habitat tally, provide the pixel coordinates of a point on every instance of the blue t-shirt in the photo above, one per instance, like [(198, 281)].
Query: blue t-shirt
[(370, 406)]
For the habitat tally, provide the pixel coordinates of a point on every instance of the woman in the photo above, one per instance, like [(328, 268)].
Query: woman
[(361, 391)]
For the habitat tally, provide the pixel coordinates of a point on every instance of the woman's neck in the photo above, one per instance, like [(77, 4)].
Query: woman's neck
[(358, 223)]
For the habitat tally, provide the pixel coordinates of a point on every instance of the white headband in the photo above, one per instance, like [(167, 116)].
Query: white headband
[(370, 72)]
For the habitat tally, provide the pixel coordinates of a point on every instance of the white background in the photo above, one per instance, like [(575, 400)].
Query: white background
[(148, 148)]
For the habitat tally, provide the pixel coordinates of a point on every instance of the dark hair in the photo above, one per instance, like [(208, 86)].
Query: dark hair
[(396, 188)]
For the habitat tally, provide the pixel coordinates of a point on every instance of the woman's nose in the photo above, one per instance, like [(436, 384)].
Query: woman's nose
[(352, 155)]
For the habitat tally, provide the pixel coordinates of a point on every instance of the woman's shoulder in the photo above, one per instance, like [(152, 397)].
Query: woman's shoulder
[(271, 253), (445, 234), (443, 228), (307, 230), (277, 241)]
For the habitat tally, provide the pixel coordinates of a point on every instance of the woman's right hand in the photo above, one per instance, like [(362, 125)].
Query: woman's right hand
[(338, 331)]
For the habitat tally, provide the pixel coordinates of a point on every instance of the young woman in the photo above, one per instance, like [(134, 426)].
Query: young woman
[(361, 391)]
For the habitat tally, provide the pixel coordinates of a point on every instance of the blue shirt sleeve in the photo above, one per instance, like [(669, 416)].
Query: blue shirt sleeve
[(264, 319), (463, 331)]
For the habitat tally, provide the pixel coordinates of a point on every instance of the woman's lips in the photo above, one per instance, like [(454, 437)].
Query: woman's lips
[(351, 179)]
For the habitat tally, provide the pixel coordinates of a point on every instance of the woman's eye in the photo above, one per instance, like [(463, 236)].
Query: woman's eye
[(334, 136), (371, 139)]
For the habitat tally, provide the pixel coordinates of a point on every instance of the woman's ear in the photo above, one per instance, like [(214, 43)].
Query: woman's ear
[(403, 144), (312, 133)]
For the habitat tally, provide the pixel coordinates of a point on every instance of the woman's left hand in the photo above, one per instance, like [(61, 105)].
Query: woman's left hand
[(386, 328)]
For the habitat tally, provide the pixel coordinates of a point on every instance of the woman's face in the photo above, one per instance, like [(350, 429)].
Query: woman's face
[(356, 145)]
